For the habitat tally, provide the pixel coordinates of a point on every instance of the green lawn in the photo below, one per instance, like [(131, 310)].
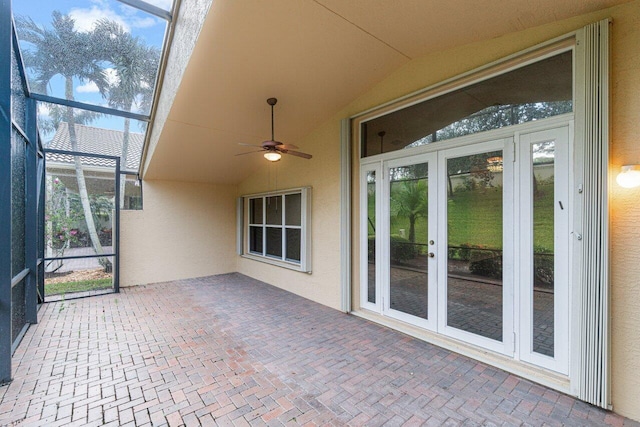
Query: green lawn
[(475, 218), (80, 286)]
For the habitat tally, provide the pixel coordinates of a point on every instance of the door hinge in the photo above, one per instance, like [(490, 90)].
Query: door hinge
[(513, 146), (513, 350)]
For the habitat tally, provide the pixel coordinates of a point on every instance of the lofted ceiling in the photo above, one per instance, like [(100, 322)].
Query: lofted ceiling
[(315, 56)]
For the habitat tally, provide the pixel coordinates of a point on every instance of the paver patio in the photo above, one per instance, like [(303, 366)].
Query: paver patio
[(230, 350)]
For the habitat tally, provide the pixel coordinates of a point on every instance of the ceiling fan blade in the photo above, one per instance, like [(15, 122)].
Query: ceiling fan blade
[(249, 152), (288, 147), (298, 154), (249, 145)]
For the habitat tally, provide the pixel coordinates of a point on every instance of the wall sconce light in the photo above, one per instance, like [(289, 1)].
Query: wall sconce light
[(629, 176), (272, 156)]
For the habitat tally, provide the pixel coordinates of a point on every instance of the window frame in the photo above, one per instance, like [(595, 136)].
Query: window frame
[(304, 265)]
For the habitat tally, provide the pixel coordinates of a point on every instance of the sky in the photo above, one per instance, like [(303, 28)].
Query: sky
[(148, 28)]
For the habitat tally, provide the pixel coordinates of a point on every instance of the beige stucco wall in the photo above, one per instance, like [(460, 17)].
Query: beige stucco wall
[(323, 285), (322, 173), (185, 230)]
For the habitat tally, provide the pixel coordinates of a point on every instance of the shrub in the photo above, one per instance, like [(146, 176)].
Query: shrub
[(543, 267), (402, 249), (487, 263)]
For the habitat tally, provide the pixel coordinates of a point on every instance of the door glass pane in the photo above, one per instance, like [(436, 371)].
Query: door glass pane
[(255, 239), (274, 210), (274, 242), (408, 239), (474, 262), (294, 214), (543, 247), (255, 211), (371, 236)]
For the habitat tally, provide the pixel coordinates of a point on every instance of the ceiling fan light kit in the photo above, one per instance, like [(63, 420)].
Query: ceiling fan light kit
[(272, 156), (274, 149)]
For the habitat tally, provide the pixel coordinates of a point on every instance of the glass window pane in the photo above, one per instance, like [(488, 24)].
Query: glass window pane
[(543, 247), (162, 4), (130, 192), (92, 133), (293, 244), (106, 52), (474, 214), (255, 240), (408, 204), (274, 242), (274, 210), (542, 89), (371, 236), (255, 211), (293, 209)]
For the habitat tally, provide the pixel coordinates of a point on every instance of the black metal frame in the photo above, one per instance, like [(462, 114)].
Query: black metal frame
[(35, 188), (28, 277), (116, 236), (5, 191)]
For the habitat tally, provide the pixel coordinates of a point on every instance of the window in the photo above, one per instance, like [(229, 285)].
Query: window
[(277, 228), (532, 92)]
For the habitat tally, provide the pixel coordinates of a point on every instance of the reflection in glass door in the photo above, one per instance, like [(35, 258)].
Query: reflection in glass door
[(544, 248), (410, 238), (474, 238), (445, 234)]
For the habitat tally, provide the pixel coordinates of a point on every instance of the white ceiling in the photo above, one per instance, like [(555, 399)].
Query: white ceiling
[(315, 56)]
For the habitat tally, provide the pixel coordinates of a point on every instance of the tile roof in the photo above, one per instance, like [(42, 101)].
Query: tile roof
[(96, 141)]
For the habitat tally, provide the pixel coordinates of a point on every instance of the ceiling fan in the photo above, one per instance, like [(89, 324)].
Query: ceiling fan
[(273, 149)]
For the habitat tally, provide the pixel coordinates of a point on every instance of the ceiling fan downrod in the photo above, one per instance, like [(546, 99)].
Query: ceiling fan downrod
[(272, 102)]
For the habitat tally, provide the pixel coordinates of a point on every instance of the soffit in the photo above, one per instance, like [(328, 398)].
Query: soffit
[(315, 57)]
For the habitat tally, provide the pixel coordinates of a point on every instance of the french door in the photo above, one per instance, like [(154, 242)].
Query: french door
[(471, 242)]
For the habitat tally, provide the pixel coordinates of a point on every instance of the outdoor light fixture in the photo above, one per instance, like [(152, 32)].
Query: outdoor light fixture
[(272, 156), (629, 176)]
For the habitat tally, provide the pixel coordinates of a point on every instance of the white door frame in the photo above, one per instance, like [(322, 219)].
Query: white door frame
[(511, 141), (506, 346), (563, 206), (431, 159)]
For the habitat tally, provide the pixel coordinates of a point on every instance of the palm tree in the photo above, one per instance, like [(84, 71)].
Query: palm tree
[(410, 201), (63, 51), (136, 66)]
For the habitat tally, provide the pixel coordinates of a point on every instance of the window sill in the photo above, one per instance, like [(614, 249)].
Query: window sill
[(277, 263)]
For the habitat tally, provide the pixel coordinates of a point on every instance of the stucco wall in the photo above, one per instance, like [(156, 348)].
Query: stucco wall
[(323, 174), (185, 230)]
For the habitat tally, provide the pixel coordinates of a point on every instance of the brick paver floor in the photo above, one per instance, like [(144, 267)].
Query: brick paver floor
[(230, 350)]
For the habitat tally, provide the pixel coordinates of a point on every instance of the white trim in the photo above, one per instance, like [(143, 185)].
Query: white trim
[(432, 291), (364, 238), (345, 215), (505, 132), (524, 57), (562, 229), (506, 345), (305, 230)]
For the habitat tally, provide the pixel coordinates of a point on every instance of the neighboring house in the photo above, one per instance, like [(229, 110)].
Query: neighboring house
[(99, 172)]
